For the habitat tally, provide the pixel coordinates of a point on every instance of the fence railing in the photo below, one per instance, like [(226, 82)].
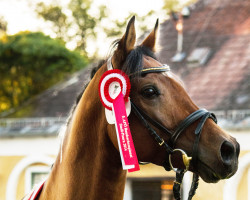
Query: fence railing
[(229, 118), (30, 126), (233, 115), (31, 122)]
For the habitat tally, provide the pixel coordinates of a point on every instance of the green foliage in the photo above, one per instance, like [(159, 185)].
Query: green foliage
[(3, 25), (86, 21), (81, 21), (175, 5), (30, 63), (54, 14), (118, 26)]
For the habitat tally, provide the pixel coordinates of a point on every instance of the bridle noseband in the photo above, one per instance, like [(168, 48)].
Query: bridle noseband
[(148, 122)]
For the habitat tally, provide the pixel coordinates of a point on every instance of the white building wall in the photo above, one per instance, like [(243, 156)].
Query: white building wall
[(29, 146)]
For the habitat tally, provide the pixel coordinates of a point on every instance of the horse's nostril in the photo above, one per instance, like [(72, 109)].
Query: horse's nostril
[(227, 153)]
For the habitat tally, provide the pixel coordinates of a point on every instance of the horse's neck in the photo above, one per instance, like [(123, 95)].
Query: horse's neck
[(90, 167)]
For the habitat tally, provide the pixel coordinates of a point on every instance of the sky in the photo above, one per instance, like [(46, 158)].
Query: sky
[(20, 16)]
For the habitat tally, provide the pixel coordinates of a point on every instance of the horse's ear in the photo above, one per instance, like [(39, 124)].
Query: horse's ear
[(128, 40), (150, 41), (126, 44)]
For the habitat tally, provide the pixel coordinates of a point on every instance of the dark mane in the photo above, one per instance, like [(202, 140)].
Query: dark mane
[(132, 64), (134, 61)]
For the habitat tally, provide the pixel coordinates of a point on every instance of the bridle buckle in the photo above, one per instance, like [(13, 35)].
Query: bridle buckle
[(186, 160), (162, 142)]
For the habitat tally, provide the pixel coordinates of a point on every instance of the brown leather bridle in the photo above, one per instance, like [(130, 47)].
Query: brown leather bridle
[(148, 122)]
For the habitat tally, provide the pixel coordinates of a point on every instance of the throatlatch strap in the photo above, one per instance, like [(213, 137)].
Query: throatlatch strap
[(152, 121), (152, 132)]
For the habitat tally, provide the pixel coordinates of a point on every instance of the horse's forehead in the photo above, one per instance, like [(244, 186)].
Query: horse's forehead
[(150, 62), (174, 77)]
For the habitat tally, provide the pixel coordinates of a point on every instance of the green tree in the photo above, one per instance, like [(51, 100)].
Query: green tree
[(3, 25), (82, 21), (85, 21), (53, 13), (30, 63), (119, 26), (175, 6)]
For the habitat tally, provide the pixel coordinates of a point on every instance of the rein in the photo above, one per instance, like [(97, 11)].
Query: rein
[(147, 121)]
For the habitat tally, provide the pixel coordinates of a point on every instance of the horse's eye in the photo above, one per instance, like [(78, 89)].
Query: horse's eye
[(150, 92)]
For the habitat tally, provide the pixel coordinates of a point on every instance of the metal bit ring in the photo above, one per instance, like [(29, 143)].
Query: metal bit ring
[(185, 159)]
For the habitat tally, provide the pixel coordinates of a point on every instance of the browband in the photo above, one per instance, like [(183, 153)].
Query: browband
[(162, 68), (159, 69)]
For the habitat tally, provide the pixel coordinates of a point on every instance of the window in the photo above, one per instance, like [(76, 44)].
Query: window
[(34, 175), (167, 190), (152, 189), (199, 57)]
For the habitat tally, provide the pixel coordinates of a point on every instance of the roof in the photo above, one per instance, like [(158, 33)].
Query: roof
[(223, 82)]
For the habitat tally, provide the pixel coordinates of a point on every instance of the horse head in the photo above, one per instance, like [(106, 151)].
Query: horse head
[(161, 98)]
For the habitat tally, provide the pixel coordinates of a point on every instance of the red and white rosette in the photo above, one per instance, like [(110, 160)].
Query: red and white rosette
[(114, 88), (111, 84)]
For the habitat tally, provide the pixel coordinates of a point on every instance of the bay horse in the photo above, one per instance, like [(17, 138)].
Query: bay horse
[(88, 165)]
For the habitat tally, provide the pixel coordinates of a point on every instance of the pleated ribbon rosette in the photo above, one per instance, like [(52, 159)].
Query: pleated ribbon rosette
[(114, 88)]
